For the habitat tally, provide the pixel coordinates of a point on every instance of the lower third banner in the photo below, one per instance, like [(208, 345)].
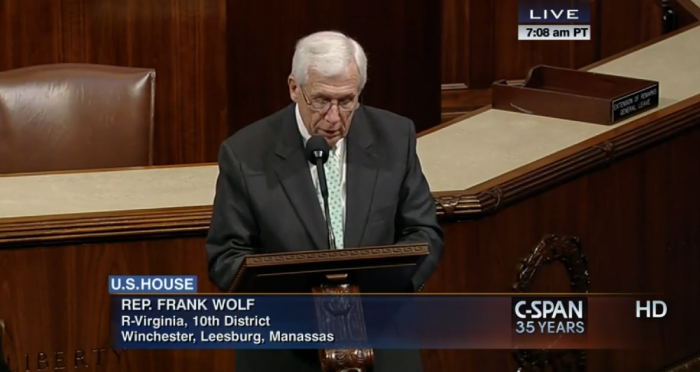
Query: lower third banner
[(378, 322)]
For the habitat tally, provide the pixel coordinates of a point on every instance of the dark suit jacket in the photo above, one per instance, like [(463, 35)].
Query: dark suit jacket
[(266, 202)]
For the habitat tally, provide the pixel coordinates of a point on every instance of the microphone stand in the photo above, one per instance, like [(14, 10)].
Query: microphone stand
[(324, 193)]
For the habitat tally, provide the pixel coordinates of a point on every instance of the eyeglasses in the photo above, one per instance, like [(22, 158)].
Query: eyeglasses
[(323, 105)]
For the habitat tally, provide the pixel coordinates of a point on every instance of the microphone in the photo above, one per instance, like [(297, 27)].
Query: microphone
[(317, 152)]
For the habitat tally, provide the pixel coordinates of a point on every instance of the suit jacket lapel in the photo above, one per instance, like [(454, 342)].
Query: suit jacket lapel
[(295, 177), (361, 178)]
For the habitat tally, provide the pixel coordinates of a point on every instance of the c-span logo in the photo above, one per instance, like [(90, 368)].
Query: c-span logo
[(549, 315)]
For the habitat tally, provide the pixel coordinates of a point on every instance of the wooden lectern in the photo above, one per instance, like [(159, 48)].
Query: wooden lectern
[(385, 269)]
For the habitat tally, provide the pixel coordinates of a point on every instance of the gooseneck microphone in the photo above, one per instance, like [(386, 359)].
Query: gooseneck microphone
[(317, 152)]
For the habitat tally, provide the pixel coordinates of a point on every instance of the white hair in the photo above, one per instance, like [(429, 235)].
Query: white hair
[(329, 53)]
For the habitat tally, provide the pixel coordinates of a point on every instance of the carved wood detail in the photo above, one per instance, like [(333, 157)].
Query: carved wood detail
[(323, 255), (114, 225), (556, 248), (567, 251), (342, 315), (690, 365), (608, 149), (497, 194)]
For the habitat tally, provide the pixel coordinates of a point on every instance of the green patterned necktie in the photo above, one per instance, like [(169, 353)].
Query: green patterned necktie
[(335, 203)]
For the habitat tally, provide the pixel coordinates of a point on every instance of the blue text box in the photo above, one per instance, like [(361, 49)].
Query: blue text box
[(132, 284)]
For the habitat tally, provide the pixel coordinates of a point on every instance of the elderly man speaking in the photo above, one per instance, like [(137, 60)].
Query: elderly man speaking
[(267, 194)]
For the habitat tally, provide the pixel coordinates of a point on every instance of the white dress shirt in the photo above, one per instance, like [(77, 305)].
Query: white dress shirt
[(339, 152)]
